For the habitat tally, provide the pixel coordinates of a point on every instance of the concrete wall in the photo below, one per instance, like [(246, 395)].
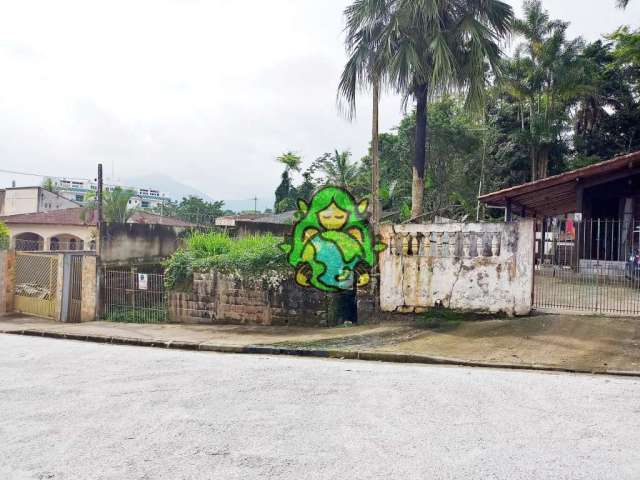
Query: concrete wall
[(137, 242), (479, 267), (89, 289), (7, 281), (217, 298)]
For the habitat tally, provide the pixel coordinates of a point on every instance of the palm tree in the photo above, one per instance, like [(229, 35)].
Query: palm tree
[(290, 160), (622, 3), (544, 76), (339, 169), (366, 66), (115, 205), (49, 185), (284, 198), (438, 46)]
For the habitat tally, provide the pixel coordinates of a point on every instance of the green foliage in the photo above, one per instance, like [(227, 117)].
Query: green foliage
[(193, 209), (49, 185), (115, 205), (137, 315), (4, 236), (248, 256)]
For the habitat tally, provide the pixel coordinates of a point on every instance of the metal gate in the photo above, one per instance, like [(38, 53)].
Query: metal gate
[(75, 288), (587, 266), (132, 296), (36, 285)]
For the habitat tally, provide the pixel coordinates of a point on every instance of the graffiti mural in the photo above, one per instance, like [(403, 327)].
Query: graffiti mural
[(332, 245)]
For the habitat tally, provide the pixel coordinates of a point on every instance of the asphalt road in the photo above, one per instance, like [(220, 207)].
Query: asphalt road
[(73, 410)]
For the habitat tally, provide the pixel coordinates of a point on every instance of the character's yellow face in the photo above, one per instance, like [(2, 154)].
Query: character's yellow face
[(332, 217)]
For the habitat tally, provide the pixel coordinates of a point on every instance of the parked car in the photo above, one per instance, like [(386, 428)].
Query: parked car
[(632, 270)]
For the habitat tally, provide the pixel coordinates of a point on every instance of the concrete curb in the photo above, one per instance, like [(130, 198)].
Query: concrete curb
[(336, 354)]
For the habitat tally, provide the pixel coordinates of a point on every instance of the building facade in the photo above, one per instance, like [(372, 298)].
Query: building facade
[(79, 191), (18, 200)]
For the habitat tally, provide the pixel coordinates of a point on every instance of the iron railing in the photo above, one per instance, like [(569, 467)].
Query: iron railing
[(592, 266), (132, 296)]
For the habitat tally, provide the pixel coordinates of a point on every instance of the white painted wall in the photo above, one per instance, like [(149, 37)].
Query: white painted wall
[(32, 200), (83, 232), (20, 200), (479, 267)]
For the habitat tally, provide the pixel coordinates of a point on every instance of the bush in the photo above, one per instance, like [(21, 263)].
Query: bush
[(4, 236), (249, 256)]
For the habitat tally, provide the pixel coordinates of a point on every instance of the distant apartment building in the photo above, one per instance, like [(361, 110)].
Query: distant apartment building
[(78, 191), (19, 200)]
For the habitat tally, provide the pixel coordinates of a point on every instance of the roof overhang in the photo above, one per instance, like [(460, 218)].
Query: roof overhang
[(558, 194)]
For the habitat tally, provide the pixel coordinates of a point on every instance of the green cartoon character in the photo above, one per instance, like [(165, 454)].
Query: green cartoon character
[(332, 244)]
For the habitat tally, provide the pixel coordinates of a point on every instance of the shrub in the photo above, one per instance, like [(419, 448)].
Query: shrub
[(4, 236), (250, 256)]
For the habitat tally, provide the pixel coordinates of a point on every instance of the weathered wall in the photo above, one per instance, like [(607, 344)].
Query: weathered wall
[(7, 281), (137, 242), (480, 267), (217, 298), (245, 228), (89, 289)]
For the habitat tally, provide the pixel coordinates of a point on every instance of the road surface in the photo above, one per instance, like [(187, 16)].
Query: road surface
[(73, 410)]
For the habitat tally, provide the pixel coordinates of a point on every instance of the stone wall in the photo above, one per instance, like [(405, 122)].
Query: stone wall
[(219, 299), (477, 267)]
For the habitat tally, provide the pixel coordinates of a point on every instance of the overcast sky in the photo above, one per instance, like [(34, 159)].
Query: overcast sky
[(208, 92)]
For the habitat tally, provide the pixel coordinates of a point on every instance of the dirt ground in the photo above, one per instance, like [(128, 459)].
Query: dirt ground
[(595, 343)]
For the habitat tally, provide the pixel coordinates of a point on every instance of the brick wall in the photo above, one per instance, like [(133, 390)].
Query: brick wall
[(216, 298)]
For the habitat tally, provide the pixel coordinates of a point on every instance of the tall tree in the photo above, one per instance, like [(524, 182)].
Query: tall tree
[(284, 192), (546, 77), (339, 169), (367, 66), (439, 46)]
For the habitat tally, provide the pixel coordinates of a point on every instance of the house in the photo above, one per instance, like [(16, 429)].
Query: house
[(279, 224), (599, 205), (17, 200), (68, 229), (587, 239)]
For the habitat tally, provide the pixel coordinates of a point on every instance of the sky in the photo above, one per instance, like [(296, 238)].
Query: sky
[(205, 92)]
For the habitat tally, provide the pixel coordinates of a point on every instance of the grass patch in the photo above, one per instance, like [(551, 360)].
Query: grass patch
[(138, 315)]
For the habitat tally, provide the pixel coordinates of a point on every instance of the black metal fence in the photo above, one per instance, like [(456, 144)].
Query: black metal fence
[(591, 265), (132, 296)]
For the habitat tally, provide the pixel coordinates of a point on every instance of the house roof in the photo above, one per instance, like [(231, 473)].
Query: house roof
[(280, 218), (74, 216), (558, 194)]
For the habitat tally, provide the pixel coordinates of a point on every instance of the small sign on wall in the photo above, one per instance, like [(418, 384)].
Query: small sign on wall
[(142, 281)]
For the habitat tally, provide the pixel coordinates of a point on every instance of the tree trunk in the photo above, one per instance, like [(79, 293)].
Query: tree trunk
[(420, 157), (375, 160), (534, 165)]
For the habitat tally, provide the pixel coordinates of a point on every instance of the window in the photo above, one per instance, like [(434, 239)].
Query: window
[(145, 204), (79, 197)]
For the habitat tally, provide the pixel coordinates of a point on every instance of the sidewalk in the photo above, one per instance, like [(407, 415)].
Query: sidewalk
[(547, 342)]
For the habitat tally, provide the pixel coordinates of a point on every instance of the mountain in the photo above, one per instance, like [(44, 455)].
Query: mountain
[(176, 191), (167, 185)]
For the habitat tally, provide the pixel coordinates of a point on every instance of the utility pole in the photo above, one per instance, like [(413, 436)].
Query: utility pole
[(255, 204), (99, 194)]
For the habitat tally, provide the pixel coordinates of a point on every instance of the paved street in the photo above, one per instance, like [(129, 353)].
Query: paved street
[(73, 410)]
